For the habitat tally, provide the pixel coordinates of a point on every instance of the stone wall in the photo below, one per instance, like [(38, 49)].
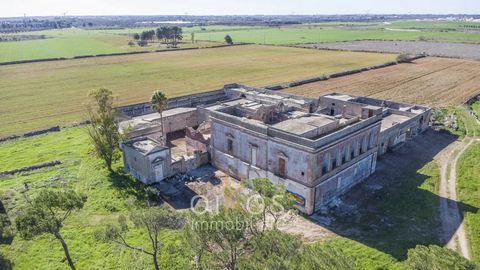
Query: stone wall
[(176, 102), (31, 133), (32, 168)]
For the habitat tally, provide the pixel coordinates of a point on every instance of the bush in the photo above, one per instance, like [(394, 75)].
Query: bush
[(435, 257), (404, 58), (228, 39), (142, 43)]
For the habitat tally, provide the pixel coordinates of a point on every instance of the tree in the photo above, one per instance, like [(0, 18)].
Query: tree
[(176, 35), (147, 35), (152, 220), (165, 34), (46, 213), (228, 40), (160, 34), (435, 257), (159, 103), (274, 200), (136, 36), (226, 234), (103, 130), (322, 257), (273, 249)]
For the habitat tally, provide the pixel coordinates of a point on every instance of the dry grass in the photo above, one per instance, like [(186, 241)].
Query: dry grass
[(43, 94), (429, 81)]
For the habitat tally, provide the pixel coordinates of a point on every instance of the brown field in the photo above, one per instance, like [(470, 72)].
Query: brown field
[(39, 95), (435, 82)]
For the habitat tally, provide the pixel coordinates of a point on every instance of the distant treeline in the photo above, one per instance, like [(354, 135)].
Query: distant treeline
[(168, 35), (33, 24)]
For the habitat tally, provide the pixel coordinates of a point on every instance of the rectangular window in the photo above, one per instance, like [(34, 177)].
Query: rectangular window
[(230, 146), (281, 167), (253, 155), (326, 163), (339, 183)]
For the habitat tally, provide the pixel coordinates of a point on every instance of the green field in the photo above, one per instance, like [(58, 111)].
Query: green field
[(76, 41), (476, 108), (468, 177), (314, 34), (108, 197), (38, 95), (432, 25)]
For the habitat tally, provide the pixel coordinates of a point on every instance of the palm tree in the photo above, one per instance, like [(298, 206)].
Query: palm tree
[(159, 103)]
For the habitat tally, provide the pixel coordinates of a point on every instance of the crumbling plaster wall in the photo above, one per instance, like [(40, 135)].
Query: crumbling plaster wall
[(398, 133), (141, 167), (343, 180), (340, 106), (366, 139), (181, 121)]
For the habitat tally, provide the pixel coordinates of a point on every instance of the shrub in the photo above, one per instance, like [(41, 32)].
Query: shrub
[(404, 58)]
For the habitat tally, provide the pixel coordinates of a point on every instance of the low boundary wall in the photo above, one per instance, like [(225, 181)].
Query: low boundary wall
[(32, 168)]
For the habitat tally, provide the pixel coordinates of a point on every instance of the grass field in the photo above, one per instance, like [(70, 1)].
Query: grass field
[(432, 25), (429, 81), (43, 94), (108, 197), (315, 34), (76, 41), (468, 186), (476, 108)]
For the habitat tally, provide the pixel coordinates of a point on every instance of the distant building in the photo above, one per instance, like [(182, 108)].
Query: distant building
[(316, 148)]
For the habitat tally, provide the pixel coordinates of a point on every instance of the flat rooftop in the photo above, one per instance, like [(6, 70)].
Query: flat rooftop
[(152, 119), (372, 103), (392, 120), (308, 125), (145, 146), (156, 116)]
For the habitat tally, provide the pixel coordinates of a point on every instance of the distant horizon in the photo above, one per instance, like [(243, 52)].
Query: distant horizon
[(252, 15), (53, 8)]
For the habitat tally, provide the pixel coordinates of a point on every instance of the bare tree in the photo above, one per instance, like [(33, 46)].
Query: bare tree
[(152, 220)]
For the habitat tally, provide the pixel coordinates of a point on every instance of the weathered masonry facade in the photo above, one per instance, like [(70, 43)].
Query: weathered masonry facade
[(317, 148)]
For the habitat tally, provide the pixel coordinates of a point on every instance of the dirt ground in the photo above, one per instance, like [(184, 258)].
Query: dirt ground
[(457, 50), (215, 189), (431, 81), (392, 210), (382, 212)]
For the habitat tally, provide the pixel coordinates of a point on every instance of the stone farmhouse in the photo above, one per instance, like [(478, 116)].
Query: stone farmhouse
[(317, 148)]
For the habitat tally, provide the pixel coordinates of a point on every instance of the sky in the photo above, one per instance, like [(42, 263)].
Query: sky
[(17, 8)]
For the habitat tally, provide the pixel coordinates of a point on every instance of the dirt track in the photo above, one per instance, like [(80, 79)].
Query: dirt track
[(453, 228), (429, 81), (458, 50)]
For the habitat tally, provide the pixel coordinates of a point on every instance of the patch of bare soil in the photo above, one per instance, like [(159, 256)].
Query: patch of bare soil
[(457, 50), (435, 82)]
